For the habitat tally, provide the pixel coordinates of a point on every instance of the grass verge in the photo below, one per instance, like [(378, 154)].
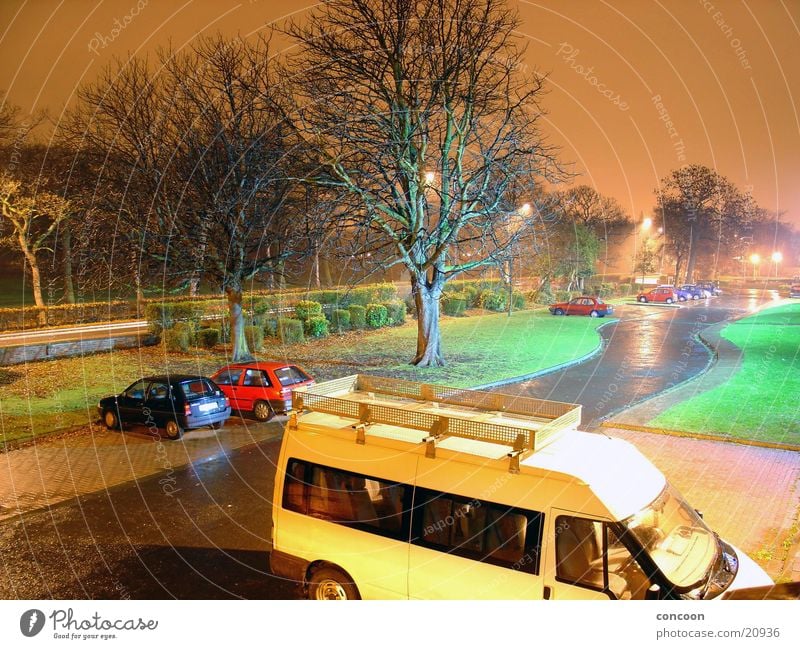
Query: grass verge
[(762, 400), (39, 398)]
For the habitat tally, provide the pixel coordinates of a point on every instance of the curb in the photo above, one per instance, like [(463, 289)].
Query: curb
[(548, 370), (658, 304), (711, 437)]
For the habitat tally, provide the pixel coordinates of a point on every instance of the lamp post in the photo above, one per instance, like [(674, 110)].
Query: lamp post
[(514, 225), (777, 258), (755, 259)]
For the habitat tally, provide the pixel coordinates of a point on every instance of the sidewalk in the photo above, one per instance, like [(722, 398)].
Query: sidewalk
[(91, 459)]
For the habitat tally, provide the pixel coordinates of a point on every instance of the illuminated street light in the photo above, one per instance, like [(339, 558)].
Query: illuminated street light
[(777, 257), (430, 176), (646, 223), (755, 259), (525, 209)]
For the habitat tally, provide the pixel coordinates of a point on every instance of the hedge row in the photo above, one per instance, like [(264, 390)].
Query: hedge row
[(30, 317)]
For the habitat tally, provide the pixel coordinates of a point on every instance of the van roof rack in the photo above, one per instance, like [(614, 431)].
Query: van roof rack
[(523, 423)]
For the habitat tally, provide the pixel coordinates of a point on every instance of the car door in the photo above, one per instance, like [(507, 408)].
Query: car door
[(255, 386), (131, 403), (572, 307), (228, 380), (159, 404)]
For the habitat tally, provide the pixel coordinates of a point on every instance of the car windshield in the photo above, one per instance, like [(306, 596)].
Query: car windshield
[(676, 538)]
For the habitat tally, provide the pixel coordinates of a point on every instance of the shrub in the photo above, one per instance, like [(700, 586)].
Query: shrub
[(254, 337), (470, 294), (264, 304), (358, 316), (454, 304), (316, 326), (565, 296), (397, 312), (178, 338), (270, 327), (377, 316), (494, 300), (188, 311), (208, 337), (623, 289), (340, 319), (306, 309), (290, 330), (518, 300)]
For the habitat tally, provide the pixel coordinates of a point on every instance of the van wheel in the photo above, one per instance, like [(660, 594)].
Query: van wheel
[(643, 299), (173, 429), (263, 411), (327, 582)]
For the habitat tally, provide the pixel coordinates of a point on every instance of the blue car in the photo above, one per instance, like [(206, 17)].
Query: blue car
[(695, 292), (682, 294)]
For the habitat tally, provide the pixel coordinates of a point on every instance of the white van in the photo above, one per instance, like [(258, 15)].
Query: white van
[(394, 489)]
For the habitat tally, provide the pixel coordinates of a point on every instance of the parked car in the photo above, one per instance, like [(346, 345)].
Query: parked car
[(794, 289), (263, 388), (682, 294), (712, 287), (175, 403), (661, 294), (695, 292), (584, 305)]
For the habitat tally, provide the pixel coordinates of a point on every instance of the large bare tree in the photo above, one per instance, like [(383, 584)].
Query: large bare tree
[(202, 158), (425, 119)]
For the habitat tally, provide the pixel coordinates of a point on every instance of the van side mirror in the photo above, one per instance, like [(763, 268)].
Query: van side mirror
[(654, 592)]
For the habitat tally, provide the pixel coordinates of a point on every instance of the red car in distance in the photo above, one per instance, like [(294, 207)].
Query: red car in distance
[(263, 388), (663, 294), (584, 305)]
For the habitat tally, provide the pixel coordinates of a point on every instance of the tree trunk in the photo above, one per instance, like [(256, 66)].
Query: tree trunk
[(326, 272), (693, 236), (194, 286), (316, 268), (429, 346), (240, 351), (36, 278), (69, 287)]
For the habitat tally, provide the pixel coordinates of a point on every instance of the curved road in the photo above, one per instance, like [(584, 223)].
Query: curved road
[(649, 350)]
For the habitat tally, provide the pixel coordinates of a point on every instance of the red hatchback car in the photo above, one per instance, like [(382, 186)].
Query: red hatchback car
[(263, 388), (661, 294)]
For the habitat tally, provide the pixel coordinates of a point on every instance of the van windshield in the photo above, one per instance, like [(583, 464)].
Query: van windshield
[(676, 538)]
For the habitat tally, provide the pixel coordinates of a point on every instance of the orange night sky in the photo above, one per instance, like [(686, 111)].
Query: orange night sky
[(636, 87)]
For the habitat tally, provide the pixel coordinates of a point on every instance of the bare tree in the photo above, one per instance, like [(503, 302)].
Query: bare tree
[(33, 219), (200, 155), (423, 115)]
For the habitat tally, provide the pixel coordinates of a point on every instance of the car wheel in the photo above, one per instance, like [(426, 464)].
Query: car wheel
[(643, 299), (695, 297), (110, 419), (594, 314), (263, 411), (681, 298), (218, 424), (328, 582), (668, 300), (173, 429)]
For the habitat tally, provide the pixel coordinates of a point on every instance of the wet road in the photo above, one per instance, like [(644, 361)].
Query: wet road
[(649, 350), (206, 536)]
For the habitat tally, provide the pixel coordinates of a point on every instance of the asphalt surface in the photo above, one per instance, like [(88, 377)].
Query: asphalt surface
[(650, 349), (206, 535)]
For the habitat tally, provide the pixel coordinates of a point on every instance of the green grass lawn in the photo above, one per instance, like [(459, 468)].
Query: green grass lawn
[(37, 398), (762, 400)]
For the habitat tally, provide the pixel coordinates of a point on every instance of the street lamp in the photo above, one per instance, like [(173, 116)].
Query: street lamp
[(777, 258), (755, 259), (430, 176), (646, 223)]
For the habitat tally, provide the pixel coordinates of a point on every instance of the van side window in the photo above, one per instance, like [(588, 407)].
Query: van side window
[(344, 497), (579, 551), (479, 530)]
